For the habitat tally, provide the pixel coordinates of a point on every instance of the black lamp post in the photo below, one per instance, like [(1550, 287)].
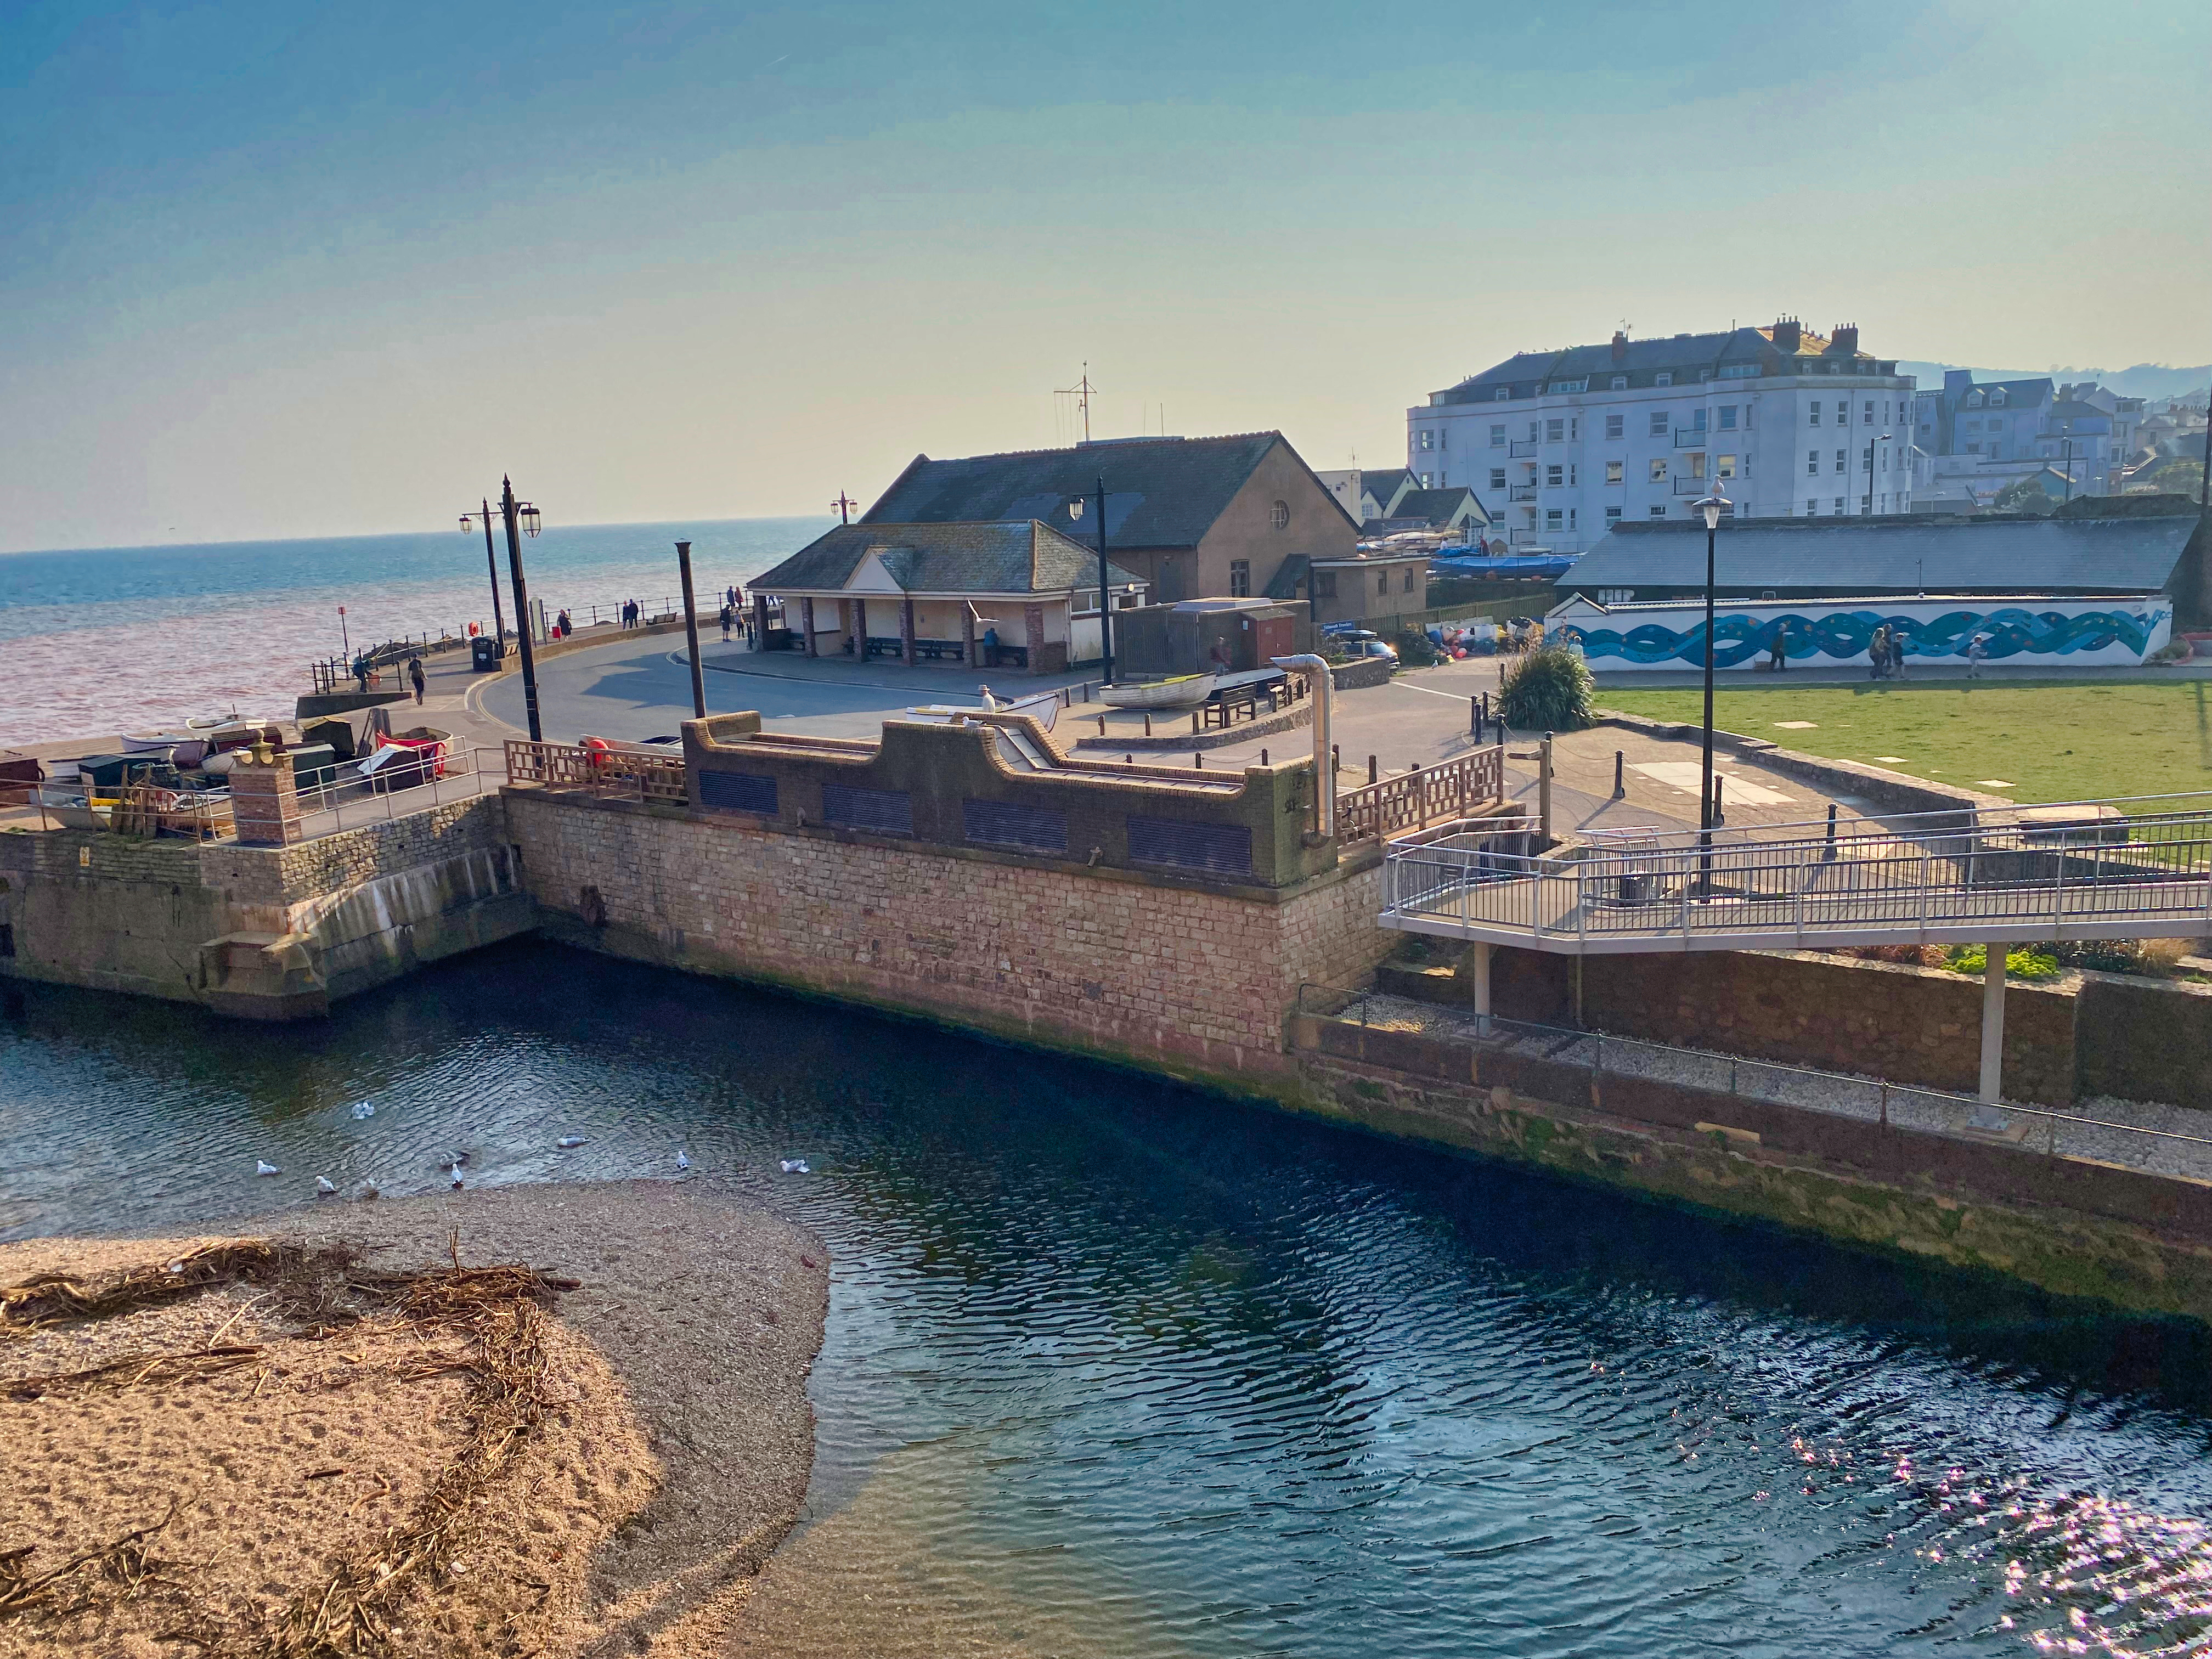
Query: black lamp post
[(1105, 593), (520, 517), (1712, 507)]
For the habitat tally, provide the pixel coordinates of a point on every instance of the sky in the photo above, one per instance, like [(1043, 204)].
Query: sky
[(274, 269)]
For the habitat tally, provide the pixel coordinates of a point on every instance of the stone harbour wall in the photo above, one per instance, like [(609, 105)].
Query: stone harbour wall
[(1098, 960)]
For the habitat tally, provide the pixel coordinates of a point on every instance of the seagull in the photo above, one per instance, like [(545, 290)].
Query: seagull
[(795, 1166), (570, 1140), (456, 1173), (362, 1110), (262, 1166), (325, 1187), (456, 1159), (682, 1162), (366, 1190)]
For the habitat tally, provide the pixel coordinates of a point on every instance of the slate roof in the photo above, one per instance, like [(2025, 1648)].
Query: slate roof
[(1018, 555), (1285, 583), (1838, 555), (1528, 372), (1435, 506), (1383, 482), (1160, 492)]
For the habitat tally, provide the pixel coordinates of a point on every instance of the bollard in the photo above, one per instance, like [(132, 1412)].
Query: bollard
[(1263, 758), (1544, 791), (1475, 716), (1829, 851), (1102, 726), (1198, 762), (1335, 759), (1194, 722), (1128, 760), (1719, 817), (1620, 781), (1148, 725), (1371, 773)]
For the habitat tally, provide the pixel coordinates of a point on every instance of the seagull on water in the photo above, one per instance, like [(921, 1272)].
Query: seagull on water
[(794, 1166), (683, 1161), (262, 1166), (325, 1187), (362, 1110), (570, 1140)]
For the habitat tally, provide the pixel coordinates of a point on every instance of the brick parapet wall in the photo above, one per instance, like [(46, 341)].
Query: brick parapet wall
[(1095, 960)]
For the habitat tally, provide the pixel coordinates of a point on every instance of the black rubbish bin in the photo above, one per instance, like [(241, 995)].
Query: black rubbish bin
[(484, 655)]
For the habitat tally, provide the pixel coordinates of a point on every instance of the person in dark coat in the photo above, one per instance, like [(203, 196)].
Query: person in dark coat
[(414, 679)]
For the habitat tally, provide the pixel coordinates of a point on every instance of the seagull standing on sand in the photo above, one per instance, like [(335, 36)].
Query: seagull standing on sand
[(456, 1173), (325, 1187)]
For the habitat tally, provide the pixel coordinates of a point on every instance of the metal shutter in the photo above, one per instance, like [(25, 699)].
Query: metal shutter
[(886, 812), (1003, 823), (737, 792), (1226, 847)]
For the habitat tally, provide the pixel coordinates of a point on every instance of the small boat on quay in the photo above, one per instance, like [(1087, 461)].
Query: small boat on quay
[(1182, 691)]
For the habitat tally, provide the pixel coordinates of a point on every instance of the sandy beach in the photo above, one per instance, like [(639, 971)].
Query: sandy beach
[(546, 1419)]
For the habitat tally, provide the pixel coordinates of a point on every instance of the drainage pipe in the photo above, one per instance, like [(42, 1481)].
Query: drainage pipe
[(1315, 669)]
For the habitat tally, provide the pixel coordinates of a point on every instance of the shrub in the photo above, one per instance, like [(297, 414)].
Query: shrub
[(1915, 955), (1415, 648), (2019, 964), (1548, 689)]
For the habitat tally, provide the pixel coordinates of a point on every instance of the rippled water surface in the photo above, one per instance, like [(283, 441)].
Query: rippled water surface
[(1113, 1368)]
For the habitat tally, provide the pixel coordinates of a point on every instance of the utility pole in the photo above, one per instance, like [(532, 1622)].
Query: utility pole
[(691, 632), (511, 510), (491, 563), (1081, 391), (1105, 594), (844, 504)]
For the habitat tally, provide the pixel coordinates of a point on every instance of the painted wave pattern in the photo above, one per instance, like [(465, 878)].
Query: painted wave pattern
[(2010, 632)]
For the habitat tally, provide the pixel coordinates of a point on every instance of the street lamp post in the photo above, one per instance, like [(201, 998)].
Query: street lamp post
[(491, 563), (1872, 451), (1712, 507), (520, 518)]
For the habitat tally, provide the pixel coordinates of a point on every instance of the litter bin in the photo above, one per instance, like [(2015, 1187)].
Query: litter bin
[(484, 655)]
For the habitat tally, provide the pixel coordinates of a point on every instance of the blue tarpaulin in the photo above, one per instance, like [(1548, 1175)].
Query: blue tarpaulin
[(1512, 565)]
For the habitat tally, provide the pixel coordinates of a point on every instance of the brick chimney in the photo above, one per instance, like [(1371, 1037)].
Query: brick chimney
[(1619, 345), (1789, 335), (1847, 339)]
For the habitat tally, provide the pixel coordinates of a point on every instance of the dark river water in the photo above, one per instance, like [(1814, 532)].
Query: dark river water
[(1179, 1377)]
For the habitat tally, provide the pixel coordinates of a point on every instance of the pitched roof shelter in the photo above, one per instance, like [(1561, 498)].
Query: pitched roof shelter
[(1015, 556)]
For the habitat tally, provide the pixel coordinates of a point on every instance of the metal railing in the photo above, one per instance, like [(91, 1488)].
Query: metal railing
[(626, 771), (1521, 492), (1691, 486), (2080, 870), (1521, 448), (1774, 1082), (1421, 797), (1691, 437)]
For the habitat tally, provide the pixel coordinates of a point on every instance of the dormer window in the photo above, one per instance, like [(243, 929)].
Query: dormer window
[(1973, 400), (1996, 399), (1663, 378), (1504, 393)]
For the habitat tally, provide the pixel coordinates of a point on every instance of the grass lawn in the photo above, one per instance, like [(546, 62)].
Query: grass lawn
[(2045, 740)]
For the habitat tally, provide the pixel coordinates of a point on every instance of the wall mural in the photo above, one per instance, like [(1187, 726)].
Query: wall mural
[(2010, 632)]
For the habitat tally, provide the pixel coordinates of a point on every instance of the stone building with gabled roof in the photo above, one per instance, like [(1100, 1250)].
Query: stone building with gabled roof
[(1192, 517), (1009, 593)]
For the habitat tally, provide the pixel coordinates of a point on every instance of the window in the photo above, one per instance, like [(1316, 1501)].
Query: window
[(1555, 476), (1839, 506), (1813, 460), (1663, 378), (1866, 458), (1424, 484), (1693, 464), (1869, 411), (1659, 511), (1997, 400), (1840, 465), (1724, 467), (1574, 517), (1381, 582), (1696, 420), (1497, 478), (1407, 586), (1497, 434), (1727, 418), (1659, 421), (1612, 515), (1554, 518), (1739, 371), (1443, 437), (1613, 471), (1555, 430), (1614, 423), (1974, 449), (1570, 386), (1813, 415), (1504, 393), (1324, 584), (1534, 428), (1278, 515), (1574, 475), (1239, 578), (1659, 469), (1812, 506), (1621, 383), (1973, 426)]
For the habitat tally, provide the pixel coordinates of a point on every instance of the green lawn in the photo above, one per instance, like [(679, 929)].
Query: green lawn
[(2045, 741)]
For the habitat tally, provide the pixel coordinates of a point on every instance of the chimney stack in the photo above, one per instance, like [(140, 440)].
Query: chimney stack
[(1847, 338), (1619, 345), (1789, 335)]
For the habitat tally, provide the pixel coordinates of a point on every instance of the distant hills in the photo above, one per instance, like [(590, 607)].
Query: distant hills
[(2143, 381)]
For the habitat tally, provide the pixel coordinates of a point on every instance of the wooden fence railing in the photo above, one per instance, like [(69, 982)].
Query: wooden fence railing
[(1426, 795), (626, 773)]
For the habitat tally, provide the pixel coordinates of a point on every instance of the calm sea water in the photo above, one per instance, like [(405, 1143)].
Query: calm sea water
[(1183, 1378), (124, 639)]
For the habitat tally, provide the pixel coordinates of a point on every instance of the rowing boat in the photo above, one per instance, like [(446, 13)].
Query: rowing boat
[(1181, 692)]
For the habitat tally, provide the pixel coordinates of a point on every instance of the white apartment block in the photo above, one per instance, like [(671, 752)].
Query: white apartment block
[(1561, 444)]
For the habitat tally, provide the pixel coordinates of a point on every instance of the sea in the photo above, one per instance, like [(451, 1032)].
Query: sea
[(101, 641)]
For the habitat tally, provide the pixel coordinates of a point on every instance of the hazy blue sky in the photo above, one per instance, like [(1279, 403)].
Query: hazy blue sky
[(272, 270)]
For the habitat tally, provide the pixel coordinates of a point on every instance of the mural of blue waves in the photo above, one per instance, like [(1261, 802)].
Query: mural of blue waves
[(2010, 632)]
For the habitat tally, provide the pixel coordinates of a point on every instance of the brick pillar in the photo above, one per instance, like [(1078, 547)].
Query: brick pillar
[(1033, 635), (859, 631), (807, 621), (905, 630), (760, 622), (265, 799), (968, 634)]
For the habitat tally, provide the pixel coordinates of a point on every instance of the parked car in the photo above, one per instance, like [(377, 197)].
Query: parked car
[(1370, 646)]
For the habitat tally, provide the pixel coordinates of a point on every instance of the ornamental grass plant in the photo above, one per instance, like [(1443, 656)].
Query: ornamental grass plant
[(1549, 688)]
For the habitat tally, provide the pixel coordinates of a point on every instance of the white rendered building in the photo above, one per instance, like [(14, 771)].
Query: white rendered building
[(1560, 445)]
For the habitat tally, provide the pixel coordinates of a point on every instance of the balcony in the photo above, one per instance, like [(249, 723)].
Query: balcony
[(1523, 449), (1522, 493), (1691, 486), (1691, 437)]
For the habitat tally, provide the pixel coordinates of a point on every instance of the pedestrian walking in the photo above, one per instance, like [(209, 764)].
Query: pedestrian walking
[(361, 672), (1779, 659), (1878, 653), (1897, 653), (414, 679), (566, 627), (1978, 652), (726, 624)]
